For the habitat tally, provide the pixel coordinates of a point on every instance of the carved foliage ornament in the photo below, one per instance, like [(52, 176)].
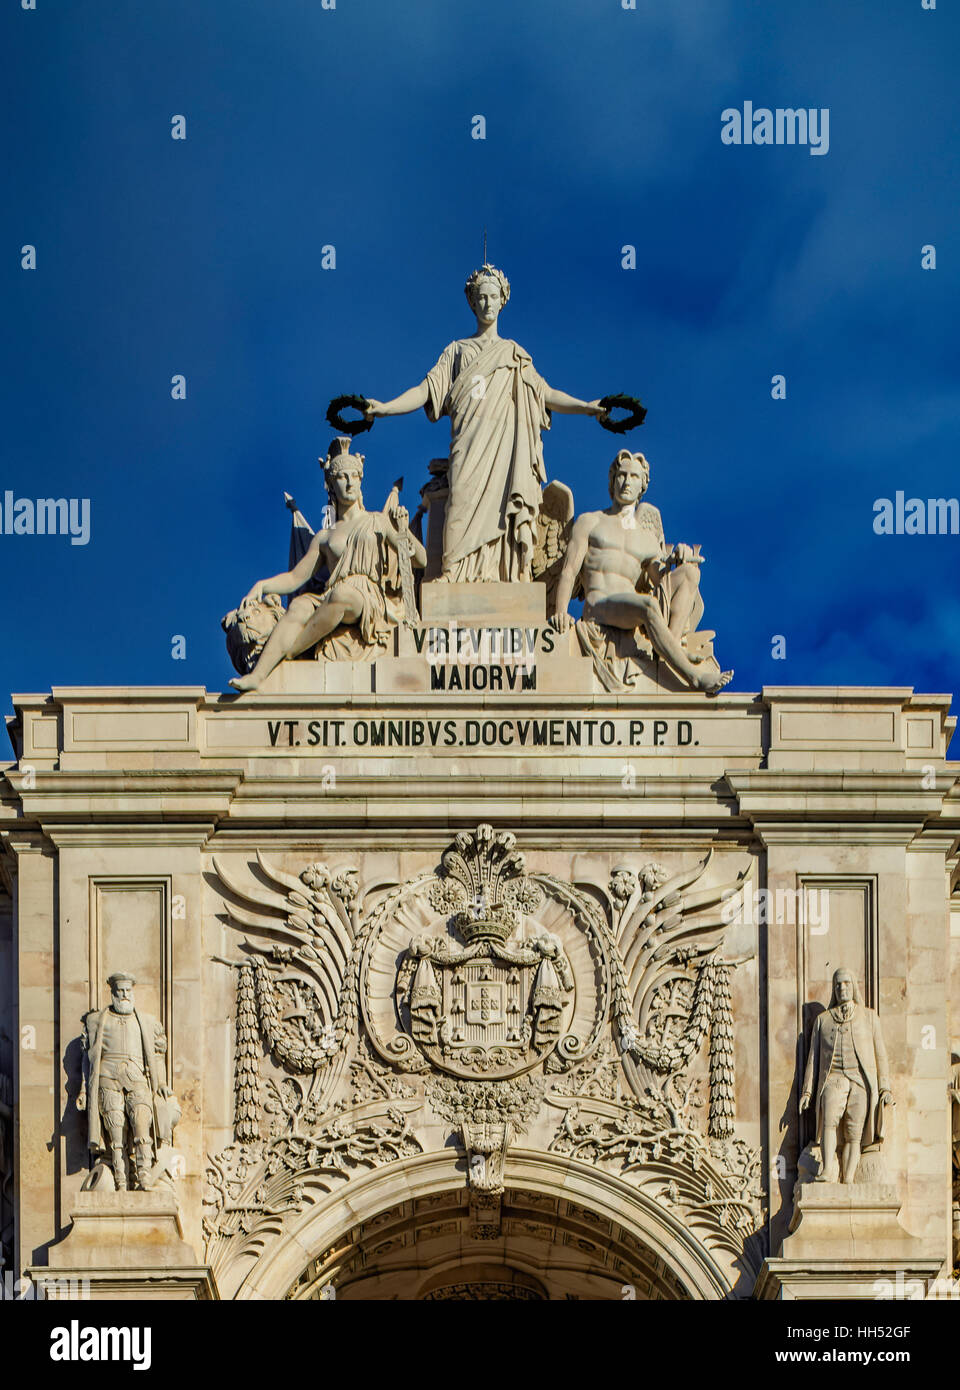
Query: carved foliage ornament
[(480, 984)]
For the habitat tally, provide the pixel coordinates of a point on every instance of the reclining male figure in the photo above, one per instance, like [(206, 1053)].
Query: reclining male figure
[(623, 547)]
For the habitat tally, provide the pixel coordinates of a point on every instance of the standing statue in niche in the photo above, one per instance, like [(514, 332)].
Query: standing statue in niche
[(639, 593), (123, 1091), (498, 405), (847, 1078)]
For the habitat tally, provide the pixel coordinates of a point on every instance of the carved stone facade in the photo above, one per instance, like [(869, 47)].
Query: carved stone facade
[(509, 998)]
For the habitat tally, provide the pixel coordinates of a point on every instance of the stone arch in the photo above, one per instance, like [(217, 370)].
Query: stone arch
[(660, 1246)]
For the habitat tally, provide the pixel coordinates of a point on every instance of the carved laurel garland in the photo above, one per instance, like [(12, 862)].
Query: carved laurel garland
[(487, 1102), (666, 935), (722, 1069), (247, 1063), (314, 966), (289, 1050)]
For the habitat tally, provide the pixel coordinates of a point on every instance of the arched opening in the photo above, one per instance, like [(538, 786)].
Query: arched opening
[(413, 1231), (537, 1248)]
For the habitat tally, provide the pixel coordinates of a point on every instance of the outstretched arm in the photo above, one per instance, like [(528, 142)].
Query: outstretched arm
[(572, 564), (290, 580), (570, 405), (404, 404)]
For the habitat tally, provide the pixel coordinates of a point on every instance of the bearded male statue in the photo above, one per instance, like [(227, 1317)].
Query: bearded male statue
[(123, 1091)]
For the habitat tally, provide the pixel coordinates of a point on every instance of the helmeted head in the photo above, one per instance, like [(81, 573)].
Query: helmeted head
[(845, 988), (487, 291), (629, 477), (343, 474), (121, 991)]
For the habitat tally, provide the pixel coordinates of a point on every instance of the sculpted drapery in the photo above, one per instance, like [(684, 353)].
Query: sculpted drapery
[(498, 406), (496, 402)]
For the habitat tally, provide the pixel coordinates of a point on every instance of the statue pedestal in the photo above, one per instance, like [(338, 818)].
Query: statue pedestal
[(846, 1241), (488, 639), (483, 605), (124, 1245)]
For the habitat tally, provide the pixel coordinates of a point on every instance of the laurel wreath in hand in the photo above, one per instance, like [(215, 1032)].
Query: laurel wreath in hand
[(350, 427), (621, 402)]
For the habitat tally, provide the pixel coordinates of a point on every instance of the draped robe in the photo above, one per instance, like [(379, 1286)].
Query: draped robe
[(367, 571), (496, 402)]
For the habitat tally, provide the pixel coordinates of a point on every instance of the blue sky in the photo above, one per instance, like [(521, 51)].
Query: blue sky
[(352, 127)]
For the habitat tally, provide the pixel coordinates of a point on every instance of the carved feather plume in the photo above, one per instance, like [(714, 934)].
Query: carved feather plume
[(301, 952), (673, 986)]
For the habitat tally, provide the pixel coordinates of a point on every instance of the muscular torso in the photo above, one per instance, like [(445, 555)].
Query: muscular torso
[(616, 553)]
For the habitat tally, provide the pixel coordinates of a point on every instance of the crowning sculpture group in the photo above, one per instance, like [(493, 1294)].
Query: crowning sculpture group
[(641, 595)]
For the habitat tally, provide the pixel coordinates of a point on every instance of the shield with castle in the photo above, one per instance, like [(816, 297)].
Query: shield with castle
[(486, 1001), (482, 971)]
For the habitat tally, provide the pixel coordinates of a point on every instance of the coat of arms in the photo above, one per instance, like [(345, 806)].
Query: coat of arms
[(490, 998)]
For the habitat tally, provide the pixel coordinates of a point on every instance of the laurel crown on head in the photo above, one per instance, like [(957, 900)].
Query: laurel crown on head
[(486, 272)]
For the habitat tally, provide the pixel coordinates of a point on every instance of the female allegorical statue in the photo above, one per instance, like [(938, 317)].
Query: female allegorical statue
[(498, 404)]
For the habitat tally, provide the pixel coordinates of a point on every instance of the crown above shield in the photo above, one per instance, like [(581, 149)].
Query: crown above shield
[(483, 885)]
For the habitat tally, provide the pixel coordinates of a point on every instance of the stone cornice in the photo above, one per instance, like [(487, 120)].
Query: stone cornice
[(120, 694), (26, 840), (835, 833), (58, 798), (624, 839), (799, 794), (773, 806), (859, 694), (885, 807), (142, 834)]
